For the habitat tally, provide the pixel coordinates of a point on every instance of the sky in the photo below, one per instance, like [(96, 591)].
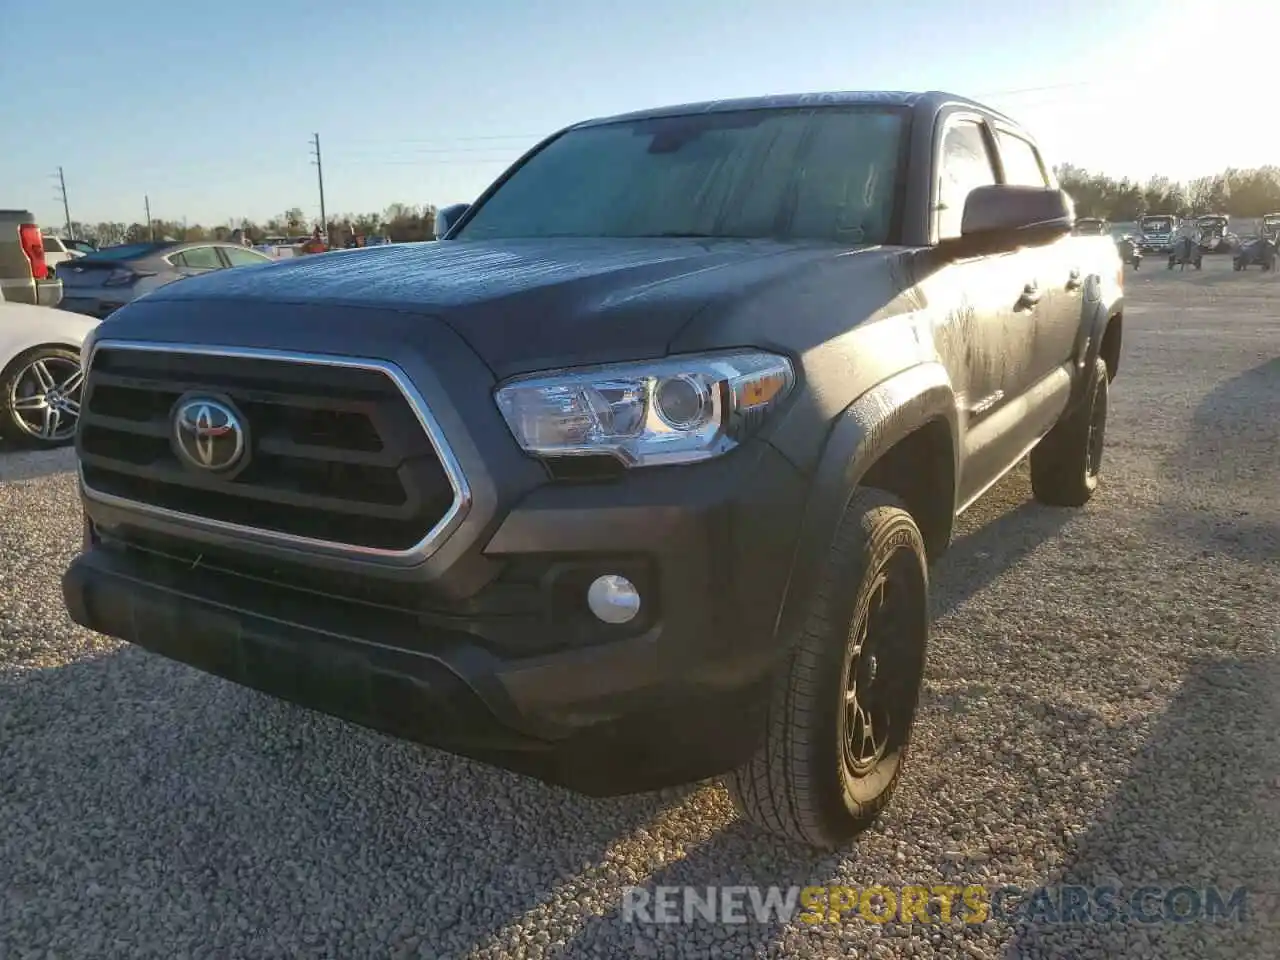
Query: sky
[(208, 109)]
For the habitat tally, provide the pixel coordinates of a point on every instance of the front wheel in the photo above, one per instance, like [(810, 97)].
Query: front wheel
[(1065, 465), (843, 705), (40, 393)]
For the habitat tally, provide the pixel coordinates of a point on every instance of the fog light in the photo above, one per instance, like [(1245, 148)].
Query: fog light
[(613, 599)]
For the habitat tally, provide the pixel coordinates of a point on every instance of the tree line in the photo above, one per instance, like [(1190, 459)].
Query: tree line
[(401, 222), (1239, 193)]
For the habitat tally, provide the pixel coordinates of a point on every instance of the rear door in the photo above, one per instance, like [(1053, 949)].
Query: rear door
[(1058, 268)]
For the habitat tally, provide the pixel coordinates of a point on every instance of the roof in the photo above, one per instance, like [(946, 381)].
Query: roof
[(892, 98)]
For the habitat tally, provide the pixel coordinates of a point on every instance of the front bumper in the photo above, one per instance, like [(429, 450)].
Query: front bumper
[(518, 674)]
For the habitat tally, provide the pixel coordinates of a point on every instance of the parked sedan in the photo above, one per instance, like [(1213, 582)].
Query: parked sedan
[(100, 283)]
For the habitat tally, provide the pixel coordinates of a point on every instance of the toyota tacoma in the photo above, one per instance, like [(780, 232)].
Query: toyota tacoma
[(636, 476)]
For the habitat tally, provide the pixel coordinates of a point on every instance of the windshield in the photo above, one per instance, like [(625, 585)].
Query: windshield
[(828, 174), (1158, 224)]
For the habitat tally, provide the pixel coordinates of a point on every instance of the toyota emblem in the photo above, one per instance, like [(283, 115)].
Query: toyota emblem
[(208, 434)]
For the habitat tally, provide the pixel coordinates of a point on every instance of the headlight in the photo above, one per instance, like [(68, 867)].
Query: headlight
[(677, 410)]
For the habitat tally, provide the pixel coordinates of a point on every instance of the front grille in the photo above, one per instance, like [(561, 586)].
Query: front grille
[(336, 451)]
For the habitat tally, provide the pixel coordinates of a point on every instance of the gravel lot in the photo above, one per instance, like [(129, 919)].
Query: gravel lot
[(1103, 705)]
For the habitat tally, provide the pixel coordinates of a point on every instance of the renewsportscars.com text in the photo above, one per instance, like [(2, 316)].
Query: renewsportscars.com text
[(935, 903)]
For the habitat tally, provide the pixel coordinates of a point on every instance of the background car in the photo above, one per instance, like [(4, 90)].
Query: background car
[(40, 373), (81, 246), (1091, 227), (24, 274), (102, 282), (57, 251)]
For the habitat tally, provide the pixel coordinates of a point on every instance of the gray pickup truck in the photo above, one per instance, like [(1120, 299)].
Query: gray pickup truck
[(25, 274), (636, 476)]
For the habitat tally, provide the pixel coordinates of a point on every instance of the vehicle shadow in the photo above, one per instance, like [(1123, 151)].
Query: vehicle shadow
[(195, 780), (1232, 446), (1200, 807), (996, 535), (201, 804)]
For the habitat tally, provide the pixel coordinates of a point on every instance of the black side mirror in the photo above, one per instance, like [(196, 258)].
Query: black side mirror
[(446, 217), (1005, 216)]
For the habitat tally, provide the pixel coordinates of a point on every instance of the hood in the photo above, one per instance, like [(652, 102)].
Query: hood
[(524, 304)]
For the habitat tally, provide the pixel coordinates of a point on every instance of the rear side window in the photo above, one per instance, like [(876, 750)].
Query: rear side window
[(1022, 166), (242, 256), (198, 258), (965, 166)]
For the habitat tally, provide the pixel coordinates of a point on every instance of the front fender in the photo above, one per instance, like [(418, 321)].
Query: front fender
[(23, 327), (861, 435)]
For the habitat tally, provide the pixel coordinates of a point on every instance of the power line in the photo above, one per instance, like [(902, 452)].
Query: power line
[(494, 136), (370, 151), (1017, 92), (315, 143), (428, 162)]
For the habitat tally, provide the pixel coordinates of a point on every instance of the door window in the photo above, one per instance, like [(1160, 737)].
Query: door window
[(965, 166), (243, 256), (198, 258), (1022, 166)]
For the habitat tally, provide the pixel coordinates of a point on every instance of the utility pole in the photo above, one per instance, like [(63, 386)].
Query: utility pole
[(151, 227), (66, 210), (324, 220)]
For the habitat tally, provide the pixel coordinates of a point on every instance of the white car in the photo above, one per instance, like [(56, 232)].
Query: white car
[(40, 376), (57, 250)]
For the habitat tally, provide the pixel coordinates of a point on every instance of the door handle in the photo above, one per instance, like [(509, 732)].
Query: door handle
[(1073, 281), (1030, 297)]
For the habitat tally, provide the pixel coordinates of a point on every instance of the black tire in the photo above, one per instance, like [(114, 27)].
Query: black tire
[(22, 385), (1065, 465), (803, 783)]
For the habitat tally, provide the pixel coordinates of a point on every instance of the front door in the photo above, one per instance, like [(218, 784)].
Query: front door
[(986, 336)]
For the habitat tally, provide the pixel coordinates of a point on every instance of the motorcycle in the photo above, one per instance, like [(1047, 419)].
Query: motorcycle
[(1129, 251)]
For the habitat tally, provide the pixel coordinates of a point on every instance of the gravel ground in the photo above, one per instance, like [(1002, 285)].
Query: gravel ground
[(1102, 705)]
